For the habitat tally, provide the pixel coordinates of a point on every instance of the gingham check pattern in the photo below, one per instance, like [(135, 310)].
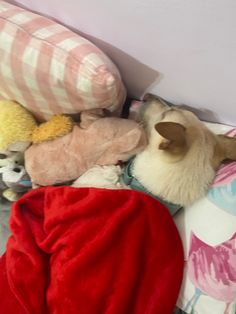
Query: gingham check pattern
[(51, 70)]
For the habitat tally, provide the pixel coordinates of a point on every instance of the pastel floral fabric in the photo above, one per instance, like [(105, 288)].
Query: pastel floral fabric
[(208, 231)]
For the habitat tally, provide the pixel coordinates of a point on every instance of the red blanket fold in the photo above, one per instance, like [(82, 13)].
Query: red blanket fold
[(90, 251)]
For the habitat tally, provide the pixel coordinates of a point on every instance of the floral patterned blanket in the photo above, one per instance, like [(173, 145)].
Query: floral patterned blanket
[(208, 231)]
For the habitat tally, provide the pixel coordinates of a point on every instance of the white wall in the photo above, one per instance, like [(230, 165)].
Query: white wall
[(183, 50)]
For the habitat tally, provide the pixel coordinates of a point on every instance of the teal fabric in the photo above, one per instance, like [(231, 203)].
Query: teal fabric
[(131, 181), (224, 196)]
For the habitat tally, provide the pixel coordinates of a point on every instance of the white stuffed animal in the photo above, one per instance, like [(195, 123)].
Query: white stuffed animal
[(13, 178), (108, 177)]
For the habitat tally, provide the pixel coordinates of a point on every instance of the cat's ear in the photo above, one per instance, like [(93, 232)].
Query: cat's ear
[(227, 147), (174, 136)]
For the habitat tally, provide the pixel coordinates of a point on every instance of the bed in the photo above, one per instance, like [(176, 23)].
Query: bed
[(208, 228)]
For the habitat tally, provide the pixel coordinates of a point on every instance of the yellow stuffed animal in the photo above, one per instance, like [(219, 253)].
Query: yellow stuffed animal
[(57, 126), (18, 128)]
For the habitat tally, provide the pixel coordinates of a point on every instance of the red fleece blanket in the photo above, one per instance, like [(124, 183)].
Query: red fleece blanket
[(90, 251)]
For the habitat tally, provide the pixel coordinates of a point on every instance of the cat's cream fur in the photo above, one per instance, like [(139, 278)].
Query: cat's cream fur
[(182, 156)]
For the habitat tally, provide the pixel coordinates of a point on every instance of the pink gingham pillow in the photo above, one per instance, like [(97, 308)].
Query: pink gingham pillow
[(49, 69)]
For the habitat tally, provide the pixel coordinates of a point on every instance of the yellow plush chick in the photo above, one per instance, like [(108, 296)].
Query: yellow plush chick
[(57, 126), (16, 126)]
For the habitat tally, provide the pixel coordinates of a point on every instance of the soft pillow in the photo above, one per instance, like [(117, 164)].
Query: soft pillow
[(208, 232), (51, 70)]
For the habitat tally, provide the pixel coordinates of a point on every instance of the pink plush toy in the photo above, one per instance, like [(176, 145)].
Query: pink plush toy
[(97, 140)]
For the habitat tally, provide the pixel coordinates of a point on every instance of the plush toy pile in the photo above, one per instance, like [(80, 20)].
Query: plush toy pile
[(59, 151)]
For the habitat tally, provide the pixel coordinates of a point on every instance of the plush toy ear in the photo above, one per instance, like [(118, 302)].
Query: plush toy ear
[(228, 147), (134, 142), (57, 126), (89, 116), (174, 136)]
